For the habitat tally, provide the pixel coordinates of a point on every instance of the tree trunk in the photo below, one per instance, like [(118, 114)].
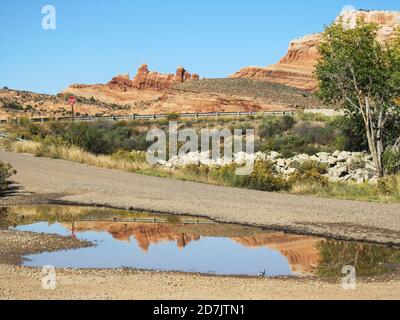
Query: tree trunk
[(374, 138)]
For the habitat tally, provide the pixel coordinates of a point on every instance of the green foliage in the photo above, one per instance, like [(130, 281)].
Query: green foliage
[(362, 76), (273, 126), (309, 172), (353, 136), (6, 171), (130, 156), (389, 185), (12, 105), (315, 133), (262, 178), (352, 65), (391, 161), (288, 145)]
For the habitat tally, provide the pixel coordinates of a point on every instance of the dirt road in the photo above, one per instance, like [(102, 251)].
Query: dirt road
[(80, 183)]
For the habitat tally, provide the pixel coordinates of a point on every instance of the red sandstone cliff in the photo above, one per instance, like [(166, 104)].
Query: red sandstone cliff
[(297, 66), (146, 79)]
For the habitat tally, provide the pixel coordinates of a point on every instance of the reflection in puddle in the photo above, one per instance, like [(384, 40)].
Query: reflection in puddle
[(161, 242)]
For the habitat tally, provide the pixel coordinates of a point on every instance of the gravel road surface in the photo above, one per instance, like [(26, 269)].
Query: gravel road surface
[(79, 183)]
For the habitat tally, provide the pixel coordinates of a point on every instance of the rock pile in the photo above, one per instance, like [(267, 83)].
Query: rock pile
[(341, 165)]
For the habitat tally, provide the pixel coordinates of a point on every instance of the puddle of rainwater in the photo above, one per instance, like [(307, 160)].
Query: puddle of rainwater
[(171, 243)]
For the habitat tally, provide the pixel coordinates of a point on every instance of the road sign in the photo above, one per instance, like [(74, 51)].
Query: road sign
[(71, 100)]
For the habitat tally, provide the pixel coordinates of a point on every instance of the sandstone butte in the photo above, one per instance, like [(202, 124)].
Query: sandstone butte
[(150, 92), (297, 66), (146, 79)]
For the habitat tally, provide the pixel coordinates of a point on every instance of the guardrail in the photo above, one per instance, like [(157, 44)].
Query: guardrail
[(6, 136), (161, 116), (175, 220)]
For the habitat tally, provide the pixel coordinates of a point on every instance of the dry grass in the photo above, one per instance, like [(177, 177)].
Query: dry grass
[(352, 191), (387, 192), (75, 154)]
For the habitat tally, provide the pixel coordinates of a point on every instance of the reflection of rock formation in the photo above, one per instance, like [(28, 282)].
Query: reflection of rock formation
[(301, 251), (145, 234)]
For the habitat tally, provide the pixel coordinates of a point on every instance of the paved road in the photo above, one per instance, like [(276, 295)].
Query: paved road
[(91, 185)]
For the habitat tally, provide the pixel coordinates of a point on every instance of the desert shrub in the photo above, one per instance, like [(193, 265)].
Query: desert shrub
[(288, 146), (352, 130), (99, 137), (311, 116), (6, 171), (273, 126), (262, 178), (314, 133), (309, 172), (12, 105), (391, 161), (198, 170), (130, 156), (172, 116), (389, 185)]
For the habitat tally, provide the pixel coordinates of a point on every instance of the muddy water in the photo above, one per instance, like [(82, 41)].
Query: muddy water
[(170, 243)]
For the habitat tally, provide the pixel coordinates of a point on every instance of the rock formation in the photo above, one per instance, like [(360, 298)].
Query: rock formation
[(297, 66), (301, 251), (146, 79)]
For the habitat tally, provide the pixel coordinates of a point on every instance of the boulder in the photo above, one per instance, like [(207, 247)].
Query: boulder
[(338, 171), (343, 156)]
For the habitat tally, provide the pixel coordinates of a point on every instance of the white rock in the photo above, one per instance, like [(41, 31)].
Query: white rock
[(302, 157), (323, 155), (338, 170), (273, 155), (289, 171), (336, 153), (281, 163), (332, 160), (343, 155)]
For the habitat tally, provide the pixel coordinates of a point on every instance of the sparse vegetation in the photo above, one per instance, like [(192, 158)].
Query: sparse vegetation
[(254, 89), (121, 145), (6, 171)]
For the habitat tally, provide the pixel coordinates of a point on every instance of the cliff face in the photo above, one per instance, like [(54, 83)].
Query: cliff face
[(297, 66), (146, 79)]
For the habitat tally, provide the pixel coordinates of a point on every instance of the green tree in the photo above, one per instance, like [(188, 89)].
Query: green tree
[(362, 76)]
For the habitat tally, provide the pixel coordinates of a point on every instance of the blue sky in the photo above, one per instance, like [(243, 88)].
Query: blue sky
[(97, 39)]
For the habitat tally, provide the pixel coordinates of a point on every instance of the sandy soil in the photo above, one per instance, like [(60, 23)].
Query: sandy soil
[(26, 283)]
